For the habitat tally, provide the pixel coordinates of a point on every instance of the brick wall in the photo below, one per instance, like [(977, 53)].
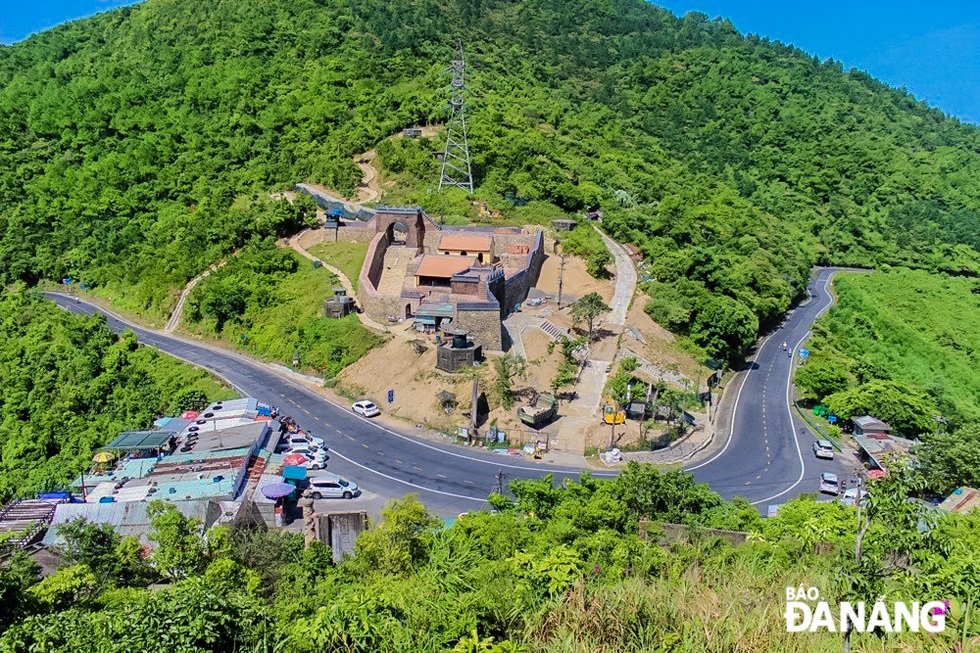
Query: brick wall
[(520, 283), (354, 232), (483, 325)]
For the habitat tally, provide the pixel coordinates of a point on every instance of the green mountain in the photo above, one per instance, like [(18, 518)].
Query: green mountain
[(734, 162)]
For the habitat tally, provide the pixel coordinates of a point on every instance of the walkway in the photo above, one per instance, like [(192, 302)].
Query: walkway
[(625, 279), (175, 316)]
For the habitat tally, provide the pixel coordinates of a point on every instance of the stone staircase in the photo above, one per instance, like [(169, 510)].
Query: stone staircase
[(553, 331), (653, 371)]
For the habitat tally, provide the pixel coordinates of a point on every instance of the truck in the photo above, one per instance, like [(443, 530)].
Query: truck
[(542, 411)]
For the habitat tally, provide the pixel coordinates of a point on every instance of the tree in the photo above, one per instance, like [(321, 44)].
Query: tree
[(597, 262), (726, 327), (665, 496), (508, 367), (564, 377), (951, 460), (180, 548), (822, 378), (93, 545), (587, 309), (18, 573), (908, 410), (400, 541), (66, 588)]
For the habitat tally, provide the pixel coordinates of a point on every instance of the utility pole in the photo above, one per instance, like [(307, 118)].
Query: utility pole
[(561, 273), (499, 487), (474, 416), (861, 530), (456, 169)]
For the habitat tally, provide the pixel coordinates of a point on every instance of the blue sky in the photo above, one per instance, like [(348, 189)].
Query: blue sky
[(930, 48)]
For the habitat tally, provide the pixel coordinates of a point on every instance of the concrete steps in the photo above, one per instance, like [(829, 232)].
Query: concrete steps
[(553, 331)]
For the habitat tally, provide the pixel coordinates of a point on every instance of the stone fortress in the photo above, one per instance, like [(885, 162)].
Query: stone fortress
[(444, 278)]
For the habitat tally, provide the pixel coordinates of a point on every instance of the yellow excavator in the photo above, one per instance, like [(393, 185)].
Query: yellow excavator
[(610, 415)]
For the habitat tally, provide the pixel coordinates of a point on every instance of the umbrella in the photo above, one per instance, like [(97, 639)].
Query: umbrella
[(277, 490), (297, 459), (103, 457)]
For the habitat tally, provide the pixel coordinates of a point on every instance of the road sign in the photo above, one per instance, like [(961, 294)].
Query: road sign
[(804, 353), (391, 396)]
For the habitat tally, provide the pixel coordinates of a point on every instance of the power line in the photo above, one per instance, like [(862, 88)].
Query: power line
[(456, 168)]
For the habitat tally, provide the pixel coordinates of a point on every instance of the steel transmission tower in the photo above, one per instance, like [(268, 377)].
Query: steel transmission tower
[(456, 170)]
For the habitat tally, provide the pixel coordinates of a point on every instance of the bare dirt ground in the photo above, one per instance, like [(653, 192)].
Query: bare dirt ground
[(416, 382), (661, 345), (576, 282)]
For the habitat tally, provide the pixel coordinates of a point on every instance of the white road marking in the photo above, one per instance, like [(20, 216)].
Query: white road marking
[(789, 410)]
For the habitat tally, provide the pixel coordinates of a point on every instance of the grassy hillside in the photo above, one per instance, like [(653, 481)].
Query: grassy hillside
[(735, 163), (68, 385), (903, 344), (269, 302)]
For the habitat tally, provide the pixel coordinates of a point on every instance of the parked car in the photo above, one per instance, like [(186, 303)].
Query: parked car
[(309, 460), (293, 440), (852, 495), (308, 451), (823, 449), (330, 486), (366, 408), (829, 483)]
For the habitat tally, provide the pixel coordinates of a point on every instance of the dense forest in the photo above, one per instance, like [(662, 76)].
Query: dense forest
[(735, 163), (582, 567), (68, 385), (904, 345)]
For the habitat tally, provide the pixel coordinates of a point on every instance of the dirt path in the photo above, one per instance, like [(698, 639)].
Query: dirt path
[(294, 244), (369, 188), (175, 316)]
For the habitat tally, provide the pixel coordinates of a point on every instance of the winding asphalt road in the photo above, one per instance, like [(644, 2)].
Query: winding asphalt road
[(769, 457), (449, 479), (766, 458)]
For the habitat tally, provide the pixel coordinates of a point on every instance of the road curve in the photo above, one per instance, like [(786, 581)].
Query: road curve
[(768, 458), (449, 479)]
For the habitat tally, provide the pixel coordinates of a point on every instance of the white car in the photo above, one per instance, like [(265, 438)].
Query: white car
[(852, 494), (330, 486), (308, 451), (823, 449), (829, 483), (293, 441), (366, 408), (307, 460)]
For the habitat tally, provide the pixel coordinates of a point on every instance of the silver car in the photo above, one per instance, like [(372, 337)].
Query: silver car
[(829, 483), (823, 449)]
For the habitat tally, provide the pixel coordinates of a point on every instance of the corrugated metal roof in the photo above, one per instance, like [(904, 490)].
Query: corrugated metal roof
[(126, 518), (443, 267), (961, 501), (867, 422), (130, 440)]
